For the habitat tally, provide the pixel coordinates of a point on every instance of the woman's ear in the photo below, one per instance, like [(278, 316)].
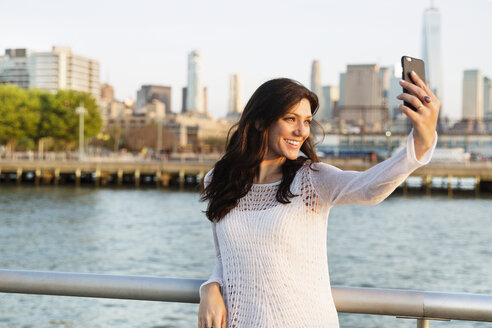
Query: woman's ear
[(259, 125)]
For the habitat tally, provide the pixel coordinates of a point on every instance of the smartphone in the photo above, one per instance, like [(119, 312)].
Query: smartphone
[(408, 65)]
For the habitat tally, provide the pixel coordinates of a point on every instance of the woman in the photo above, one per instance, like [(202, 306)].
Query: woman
[(269, 208)]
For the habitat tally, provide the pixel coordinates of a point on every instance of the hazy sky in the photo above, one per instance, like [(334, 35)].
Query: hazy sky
[(147, 42)]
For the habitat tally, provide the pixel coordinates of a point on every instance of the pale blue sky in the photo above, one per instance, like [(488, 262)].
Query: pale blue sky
[(144, 42)]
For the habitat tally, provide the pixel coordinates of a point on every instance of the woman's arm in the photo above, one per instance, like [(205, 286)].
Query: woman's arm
[(375, 184), (372, 186), (217, 272), (212, 310)]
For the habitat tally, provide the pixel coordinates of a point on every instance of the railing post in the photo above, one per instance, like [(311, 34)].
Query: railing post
[(137, 178), (426, 183), (78, 174), (56, 177), (166, 177), (97, 177), (422, 323), (19, 175), (37, 177), (120, 177), (158, 175), (181, 179)]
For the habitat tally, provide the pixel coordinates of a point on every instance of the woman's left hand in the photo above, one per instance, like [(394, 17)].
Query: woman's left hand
[(424, 120)]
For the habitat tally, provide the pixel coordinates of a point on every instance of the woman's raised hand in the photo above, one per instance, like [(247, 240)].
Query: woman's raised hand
[(424, 120), (212, 310)]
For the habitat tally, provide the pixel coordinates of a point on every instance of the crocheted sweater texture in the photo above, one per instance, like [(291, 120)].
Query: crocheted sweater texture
[(272, 262)]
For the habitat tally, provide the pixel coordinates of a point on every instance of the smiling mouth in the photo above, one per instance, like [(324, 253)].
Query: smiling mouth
[(293, 142)]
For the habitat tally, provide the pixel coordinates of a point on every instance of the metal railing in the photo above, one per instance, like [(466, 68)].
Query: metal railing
[(420, 305)]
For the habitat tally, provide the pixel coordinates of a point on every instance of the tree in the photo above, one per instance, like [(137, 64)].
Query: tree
[(35, 115), (66, 122), (48, 120), (19, 115)]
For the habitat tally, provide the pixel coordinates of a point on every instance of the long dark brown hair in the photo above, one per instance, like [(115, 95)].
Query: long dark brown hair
[(247, 146)]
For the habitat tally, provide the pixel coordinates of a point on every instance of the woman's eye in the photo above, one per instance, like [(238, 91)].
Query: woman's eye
[(308, 122), (289, 119)]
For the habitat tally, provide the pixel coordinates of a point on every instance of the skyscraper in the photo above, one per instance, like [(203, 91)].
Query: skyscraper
[(331, 95), (393, 91), (363, 99), (342, 89), (473, 95), (431, 50), (363, 86), (185, 99), (235, 95), (487, 98), (194, 92), (317, 88)]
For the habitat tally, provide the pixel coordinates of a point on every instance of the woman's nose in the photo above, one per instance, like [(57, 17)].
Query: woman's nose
[(302, 129)]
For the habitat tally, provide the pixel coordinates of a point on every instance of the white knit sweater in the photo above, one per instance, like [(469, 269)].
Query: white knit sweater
[(272, 262)]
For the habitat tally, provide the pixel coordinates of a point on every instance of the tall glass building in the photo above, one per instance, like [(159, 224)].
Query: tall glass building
[(318, 89), (431, 50), (194, 93)]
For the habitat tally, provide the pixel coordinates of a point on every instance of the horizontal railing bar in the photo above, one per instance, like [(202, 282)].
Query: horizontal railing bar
[(100, 286), (416, 304), (402, 303)]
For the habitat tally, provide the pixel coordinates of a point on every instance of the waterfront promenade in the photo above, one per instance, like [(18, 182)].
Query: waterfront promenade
[(189, 171)]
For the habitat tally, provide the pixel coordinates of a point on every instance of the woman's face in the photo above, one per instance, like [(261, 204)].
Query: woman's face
[(287, 134)]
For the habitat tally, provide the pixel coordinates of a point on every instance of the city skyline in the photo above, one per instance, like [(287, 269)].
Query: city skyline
[(137, 46)]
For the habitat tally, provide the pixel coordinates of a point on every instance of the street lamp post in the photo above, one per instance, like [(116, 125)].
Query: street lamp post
[(159, 137), (81, 111), (388, 142)]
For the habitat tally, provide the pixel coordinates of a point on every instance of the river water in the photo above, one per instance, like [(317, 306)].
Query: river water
[(432, 243)]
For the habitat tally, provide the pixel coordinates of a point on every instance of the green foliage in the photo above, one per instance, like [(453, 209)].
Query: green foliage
[(19, 114), (64, 117), (35, 114), (25, 144)]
